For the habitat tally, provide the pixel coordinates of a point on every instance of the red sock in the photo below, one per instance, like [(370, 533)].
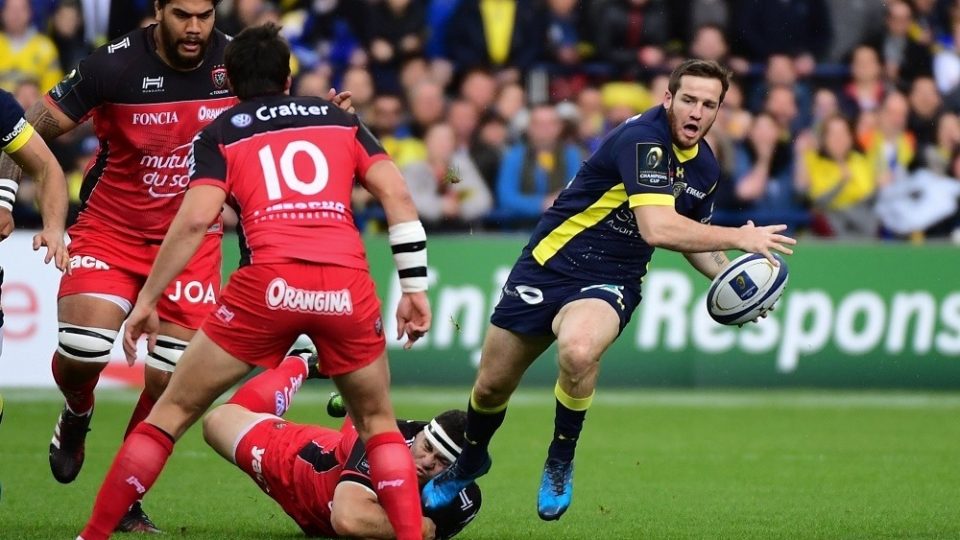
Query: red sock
[(144, 404), (272, 391), (79, 394), (395, 480), (134, 470)]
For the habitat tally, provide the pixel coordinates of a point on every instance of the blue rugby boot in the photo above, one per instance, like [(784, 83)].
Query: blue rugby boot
[(446, 486), (556, 489)]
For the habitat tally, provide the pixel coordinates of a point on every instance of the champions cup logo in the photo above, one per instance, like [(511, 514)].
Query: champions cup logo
[(654, 157), (282, 296)]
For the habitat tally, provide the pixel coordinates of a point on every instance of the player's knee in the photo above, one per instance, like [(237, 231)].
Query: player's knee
[(211, 422), (489, 394), (578, 355), (344, 523), (85, 344), (166, 353)]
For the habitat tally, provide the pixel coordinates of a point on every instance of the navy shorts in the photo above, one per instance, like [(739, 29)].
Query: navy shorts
[(533, 295)]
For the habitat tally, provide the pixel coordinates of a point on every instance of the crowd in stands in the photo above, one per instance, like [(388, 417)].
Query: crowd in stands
[(842, 120)]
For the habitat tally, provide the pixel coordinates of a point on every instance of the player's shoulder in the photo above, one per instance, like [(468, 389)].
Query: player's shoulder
[(260, 115), (8, 102), (650, 123), (11, 113), (119, 53)]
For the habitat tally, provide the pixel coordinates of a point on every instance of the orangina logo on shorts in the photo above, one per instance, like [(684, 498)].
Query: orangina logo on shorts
[(280, 295)]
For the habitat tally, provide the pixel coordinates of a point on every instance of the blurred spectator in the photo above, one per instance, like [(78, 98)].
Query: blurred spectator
[(839, 180), (890, 145), (66, 30), (563, 35), (631, 34), (24, 52), (590, 124), (733, 118), (825, 105), (511, 104), (488, 147), (922, 204), (480, 88), (463, 119), (503, 35), (243, 13), (709, 43), (360, 84), (395, 31), (780, 71), (533, 172), (315, 82), (946, 69), (438, 18), (387, 123), (700, 13), (324, 31), (446, 187), (27, 92), (904, 57), (427, 107), (799, 29), (866, 88), (925, 108), (781, 104), (763, 176), (854, 22), (621, 100), (936, 156)]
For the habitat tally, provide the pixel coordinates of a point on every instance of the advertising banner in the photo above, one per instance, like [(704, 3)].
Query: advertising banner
[(871, 315)]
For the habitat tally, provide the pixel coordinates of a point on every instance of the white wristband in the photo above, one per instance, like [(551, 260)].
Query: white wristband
[(8, 193), (408, 241)]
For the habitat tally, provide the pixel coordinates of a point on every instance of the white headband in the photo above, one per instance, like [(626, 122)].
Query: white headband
[(441, 441)]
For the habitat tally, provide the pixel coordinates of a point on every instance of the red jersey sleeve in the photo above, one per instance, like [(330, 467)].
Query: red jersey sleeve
[(368, 148), (208, 165)]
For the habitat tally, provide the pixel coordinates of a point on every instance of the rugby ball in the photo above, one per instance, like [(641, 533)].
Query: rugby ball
[(746, 289)]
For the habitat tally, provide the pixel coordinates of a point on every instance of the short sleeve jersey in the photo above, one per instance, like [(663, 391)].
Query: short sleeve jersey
[(590, 232), (145, 114), (288, 166), (15, 131)]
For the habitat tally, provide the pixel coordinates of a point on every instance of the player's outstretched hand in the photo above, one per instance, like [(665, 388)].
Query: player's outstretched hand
[(764, 239), (413, 317), (143, 319), (6, 224), (341, 99), (57, 251)]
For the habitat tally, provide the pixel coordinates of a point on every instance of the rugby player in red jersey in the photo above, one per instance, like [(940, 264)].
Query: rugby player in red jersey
[(320, 476), (148, 93), (287, 166)]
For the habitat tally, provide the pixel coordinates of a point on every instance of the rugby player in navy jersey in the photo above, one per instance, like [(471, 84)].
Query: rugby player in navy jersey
[(650, 184)]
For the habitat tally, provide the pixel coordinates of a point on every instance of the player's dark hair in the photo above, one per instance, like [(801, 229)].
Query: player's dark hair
[(258, 62), (708, 69), (454, 424), (162, 3)]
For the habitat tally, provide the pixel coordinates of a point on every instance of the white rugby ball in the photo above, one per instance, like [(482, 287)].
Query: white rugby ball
[(746, 289)]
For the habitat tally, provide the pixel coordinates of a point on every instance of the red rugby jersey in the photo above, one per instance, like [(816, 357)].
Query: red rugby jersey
[(288, 165), (145, 114)]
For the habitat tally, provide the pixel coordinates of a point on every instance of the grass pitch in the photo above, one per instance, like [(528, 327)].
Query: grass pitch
[(651, 464)]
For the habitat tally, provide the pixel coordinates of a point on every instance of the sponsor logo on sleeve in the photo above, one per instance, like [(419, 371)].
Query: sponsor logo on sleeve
[(652, 165), (241, 120), (114, 47), (66, 85), (17, 129)]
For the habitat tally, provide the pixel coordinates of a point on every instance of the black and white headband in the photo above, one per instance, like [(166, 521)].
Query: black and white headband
[(441, 441)]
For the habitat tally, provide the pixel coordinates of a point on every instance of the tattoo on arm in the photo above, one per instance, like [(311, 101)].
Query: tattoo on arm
[(720, 258), (44, 121), (9, 168)]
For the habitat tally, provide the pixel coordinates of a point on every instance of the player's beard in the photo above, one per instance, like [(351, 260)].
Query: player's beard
[(171, 50), (676, 130)]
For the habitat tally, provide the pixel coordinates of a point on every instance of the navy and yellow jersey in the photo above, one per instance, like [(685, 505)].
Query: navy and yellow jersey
[(591, 232), (15, 131)]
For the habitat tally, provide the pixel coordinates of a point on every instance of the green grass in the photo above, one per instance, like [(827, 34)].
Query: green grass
[(651, 464)]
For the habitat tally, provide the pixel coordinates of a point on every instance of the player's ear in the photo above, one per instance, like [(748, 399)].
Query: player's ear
[(289, 83)]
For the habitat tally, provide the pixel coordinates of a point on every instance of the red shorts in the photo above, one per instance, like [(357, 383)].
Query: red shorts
[(265, 307), (106, 263), (269, 454)]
